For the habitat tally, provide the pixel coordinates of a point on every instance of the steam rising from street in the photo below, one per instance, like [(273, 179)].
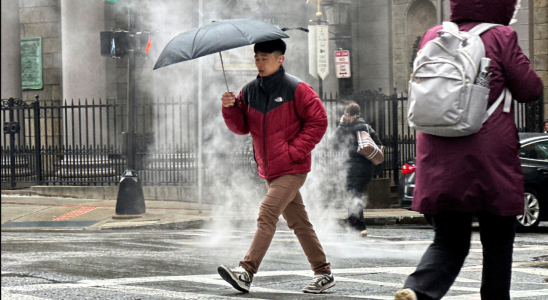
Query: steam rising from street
[(239, 192)]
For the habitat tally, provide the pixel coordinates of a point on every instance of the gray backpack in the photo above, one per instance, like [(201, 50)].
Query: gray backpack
[(444, 98)]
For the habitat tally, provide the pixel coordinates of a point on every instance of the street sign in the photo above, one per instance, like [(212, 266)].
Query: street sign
[(342, 63), (322, 48)]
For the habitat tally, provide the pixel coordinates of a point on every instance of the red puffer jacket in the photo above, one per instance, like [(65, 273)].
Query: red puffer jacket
[(286, 120)]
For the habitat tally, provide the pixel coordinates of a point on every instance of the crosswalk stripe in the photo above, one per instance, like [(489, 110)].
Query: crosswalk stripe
[(534, 271), (6, 295), (519, 249), (144, 291), (513, 294), (214, 279)]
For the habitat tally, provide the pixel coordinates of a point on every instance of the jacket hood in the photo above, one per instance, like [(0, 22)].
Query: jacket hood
[(489, 11)]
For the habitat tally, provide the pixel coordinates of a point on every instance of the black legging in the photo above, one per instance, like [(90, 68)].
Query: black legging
[(356, 187), (442, 261)]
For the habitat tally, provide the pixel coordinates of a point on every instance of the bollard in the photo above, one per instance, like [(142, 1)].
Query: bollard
[(131, 200)]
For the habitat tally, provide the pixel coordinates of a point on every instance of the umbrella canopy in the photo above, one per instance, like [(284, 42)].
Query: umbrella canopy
[(216, 37)]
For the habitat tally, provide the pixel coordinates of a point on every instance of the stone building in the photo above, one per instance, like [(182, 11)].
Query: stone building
[(381, 36)]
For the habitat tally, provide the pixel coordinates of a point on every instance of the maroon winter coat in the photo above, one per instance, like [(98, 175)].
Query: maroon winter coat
[(286, 120), (480, 172)]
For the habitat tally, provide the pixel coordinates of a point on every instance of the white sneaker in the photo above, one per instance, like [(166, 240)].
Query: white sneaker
[(405, 294), (238, 277), (320, 283)]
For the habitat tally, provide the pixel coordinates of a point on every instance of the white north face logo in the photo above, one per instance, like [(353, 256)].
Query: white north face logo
[(279, 99)]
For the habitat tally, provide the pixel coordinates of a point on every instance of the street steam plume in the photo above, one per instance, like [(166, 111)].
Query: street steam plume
[(238, 190)]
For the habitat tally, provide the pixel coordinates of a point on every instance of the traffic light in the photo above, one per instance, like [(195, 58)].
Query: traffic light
[(118, 43), (143, 41), (115, 44)]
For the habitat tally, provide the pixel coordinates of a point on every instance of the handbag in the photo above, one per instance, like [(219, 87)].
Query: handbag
[(369, 149)]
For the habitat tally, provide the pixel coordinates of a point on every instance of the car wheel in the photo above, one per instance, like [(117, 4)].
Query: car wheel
[(531, 215)]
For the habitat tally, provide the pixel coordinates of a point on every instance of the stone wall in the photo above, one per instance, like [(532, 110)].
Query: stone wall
[(42, 18), (371, 43), (371, 33), (540, 45)]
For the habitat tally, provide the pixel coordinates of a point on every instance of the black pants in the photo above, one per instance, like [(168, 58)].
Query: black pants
[(442, 261), (356, 206), (355, 216)]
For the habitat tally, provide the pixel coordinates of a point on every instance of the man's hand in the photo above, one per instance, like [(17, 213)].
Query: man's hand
[(228, 99)]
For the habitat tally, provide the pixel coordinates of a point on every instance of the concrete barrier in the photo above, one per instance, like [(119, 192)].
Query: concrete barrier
[(87, 192), (155, 193)]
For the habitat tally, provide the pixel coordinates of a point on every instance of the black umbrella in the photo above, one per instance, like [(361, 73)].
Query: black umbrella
[(216, 37)]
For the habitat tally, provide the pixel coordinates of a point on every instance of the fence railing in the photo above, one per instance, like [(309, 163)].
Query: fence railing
[(81, 143)]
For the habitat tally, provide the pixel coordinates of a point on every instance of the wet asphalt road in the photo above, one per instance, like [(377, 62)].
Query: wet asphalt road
[(172, 264)]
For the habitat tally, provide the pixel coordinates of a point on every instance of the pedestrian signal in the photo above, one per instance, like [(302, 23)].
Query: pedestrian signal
[(114, 44), (144, 41)]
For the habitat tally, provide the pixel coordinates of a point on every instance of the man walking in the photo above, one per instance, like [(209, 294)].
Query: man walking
[(286, 120)]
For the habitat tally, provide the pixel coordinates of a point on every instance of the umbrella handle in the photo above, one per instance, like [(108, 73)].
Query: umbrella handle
[(223, 66)]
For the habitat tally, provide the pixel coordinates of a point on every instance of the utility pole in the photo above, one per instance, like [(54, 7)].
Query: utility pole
[(200, 119), (131, 200), (320, 84)]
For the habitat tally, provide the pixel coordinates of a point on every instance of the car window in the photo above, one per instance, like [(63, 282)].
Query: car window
[(538, 150)]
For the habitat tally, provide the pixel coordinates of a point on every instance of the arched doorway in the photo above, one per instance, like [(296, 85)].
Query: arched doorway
[(421, 16)]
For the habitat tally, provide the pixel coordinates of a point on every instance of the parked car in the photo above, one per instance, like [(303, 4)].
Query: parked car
[(534, 162)]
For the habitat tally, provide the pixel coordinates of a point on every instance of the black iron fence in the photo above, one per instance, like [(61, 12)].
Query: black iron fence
[(81, 143)]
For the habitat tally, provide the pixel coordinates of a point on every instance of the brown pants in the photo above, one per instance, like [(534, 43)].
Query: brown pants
[(283, 197)]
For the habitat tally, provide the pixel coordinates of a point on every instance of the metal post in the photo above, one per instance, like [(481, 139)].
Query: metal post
[(200, 121), (131, 200), (395, 137), (37, 141), (12, 144), (320, 84)]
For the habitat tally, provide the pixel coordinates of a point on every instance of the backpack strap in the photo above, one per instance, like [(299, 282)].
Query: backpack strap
[(451, 28), (483, 27), (505, 96), (367, 129), (507, 101)]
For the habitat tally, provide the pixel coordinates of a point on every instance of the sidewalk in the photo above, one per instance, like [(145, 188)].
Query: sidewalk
[(23, 211)]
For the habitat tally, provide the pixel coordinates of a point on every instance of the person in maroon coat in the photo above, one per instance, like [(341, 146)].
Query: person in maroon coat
[(286, 119), (476, 175)]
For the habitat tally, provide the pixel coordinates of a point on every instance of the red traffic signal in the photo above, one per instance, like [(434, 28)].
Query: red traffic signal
[(144, 41)]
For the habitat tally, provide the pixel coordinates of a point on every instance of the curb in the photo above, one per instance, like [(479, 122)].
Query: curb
[(408, 220), (183, 225), (384, 217)]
